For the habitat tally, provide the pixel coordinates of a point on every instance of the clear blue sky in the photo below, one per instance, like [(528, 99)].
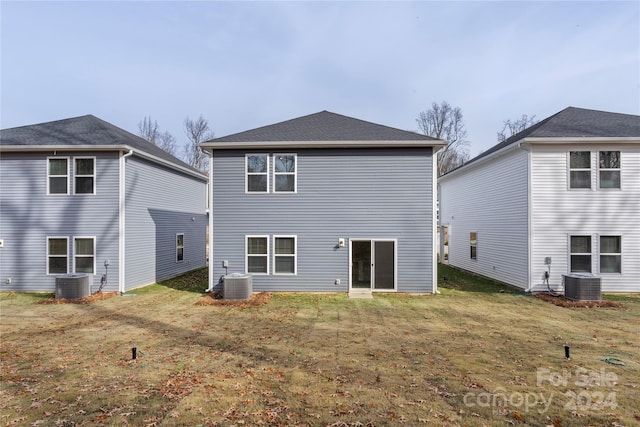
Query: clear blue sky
[(248, 64)]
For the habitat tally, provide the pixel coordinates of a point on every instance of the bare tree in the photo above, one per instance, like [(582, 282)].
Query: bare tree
[(445, 122), (148, 129), (197, 131), (511, 127)]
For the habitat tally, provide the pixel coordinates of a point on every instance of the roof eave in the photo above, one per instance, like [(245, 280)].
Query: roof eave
[(254, 145), (582, 140)]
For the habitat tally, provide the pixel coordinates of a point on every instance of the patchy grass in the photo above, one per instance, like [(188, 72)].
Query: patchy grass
[(471, 356)]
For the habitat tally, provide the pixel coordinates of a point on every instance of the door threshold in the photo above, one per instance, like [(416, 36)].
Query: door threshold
[(361, 293)]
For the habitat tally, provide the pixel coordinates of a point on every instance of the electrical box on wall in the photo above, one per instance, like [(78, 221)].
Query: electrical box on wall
[(1, 243)]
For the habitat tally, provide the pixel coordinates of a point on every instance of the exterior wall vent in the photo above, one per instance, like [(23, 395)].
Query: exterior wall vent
[(238, 286), (582, 287), (73, 286)]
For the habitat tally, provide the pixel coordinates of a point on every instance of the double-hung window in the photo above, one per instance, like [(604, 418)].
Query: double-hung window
[(284, 171), (610, 254), (58, 175), (609, 169), (580, 254), (473, 244), (257, 254), (84, 259), (84, 175), (580, 169), (179, 247), (57, 255), (285, 255), (257, 173)]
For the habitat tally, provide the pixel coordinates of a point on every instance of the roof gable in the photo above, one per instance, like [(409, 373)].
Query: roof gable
[(82, 132), (323, 127)]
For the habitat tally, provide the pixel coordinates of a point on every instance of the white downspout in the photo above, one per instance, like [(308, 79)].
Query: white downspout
[(434, 222), (122, 186), (210, 211)]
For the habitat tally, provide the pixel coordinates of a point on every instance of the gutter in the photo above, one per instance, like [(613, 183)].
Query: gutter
[(252, 145)]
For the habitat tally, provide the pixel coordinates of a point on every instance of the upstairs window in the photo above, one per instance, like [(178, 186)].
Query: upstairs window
[(580, 169), (473, 243), (84, 175), (57, 255), (285, 255), (609, 169), (580, 254), (610, 254), (257, 260), (284, 171), (84, 255), (257, 173), (58, 175), (179, 247)]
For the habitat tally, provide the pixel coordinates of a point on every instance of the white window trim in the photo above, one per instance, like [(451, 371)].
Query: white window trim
[(246, 253), (247, 173), (95, 255), (179, 247), (612, 254), (76, 175), (619, 170), (68, 175), (569, 169), (66, 238), (294, 173), (294, 255), (569, 253), (473, 246)]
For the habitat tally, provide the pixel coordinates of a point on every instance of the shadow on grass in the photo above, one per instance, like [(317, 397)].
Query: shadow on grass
[(195, 281), (455, 279)]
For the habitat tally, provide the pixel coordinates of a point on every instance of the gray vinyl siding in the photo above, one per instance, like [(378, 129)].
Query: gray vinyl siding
[(341, 193), (558, 213), (160, 203), (490, 199), (28, 216)]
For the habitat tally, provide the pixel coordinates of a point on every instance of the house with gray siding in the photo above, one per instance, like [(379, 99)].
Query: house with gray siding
[(324, 203), (83, 196), (561, 197)]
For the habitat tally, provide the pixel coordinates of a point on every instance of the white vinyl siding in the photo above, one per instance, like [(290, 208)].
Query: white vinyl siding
[(57, 255), (490, 200), (58, 175), (557, 213)]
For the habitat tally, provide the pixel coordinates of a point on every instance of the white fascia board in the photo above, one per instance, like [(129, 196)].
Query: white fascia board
[(137, 152), (583, 140), (252, 145)]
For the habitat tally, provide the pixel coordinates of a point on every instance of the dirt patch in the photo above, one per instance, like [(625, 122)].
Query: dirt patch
[(565, 302), (256, 300), (99, 296)]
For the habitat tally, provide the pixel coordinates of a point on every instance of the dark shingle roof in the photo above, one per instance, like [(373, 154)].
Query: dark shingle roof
[(575, 122), (323, 126), (83, 131)]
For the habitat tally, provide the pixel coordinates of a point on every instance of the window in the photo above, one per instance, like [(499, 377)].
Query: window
[(609, 169), (473, 242), (284, 255), (58, 175), (610, 254), (84, 254), (84, 173), (57, 255), (284, 171), (257, 167), (580, 254), (257, 254), (580, 169), (179, 247)]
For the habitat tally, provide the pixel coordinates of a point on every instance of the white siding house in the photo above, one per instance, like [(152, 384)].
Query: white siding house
[(567, 188)]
